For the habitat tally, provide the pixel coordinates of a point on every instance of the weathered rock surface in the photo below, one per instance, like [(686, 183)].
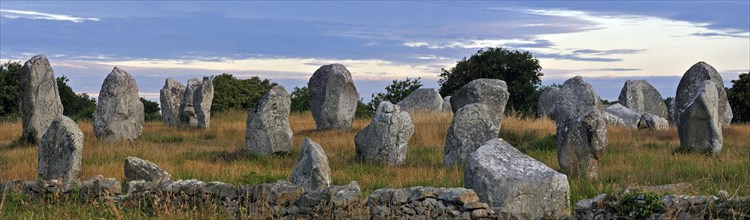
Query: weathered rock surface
[(99, 187), (268, 130), (140, 169), (39, 100), (641, 97), (491, 92), (471, 127), (447, 104), (170, 98), (504, 177), (673, 206), (312, 171), (384, 140), (119, 111), (422, 99), (195, 109), (546, 104), (581, 130), (690, 87), (60, 151), (700, 122), (651, 121), (333, 97), (623, 116)]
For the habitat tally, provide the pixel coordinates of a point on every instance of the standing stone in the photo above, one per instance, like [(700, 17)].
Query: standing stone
[(384, 139), (422, 99), (140, 169), (268, 130), (471, 127), (119, 111), (447, 104), (581, 130), (623, 116), (39, 101), (333, 97), (689, 87), (504, 177), (700, 126), (312, 171), (170, 97), (641, 97), (546, 105), (491, 92), (60, 151), (195, 109)]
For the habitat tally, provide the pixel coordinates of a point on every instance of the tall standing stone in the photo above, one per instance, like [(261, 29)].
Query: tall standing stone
[(491, 92), (581, 130), (700, 126), (471, 127), (39, 101), (119, 111), (447, 104), (170, 97), (689, 87), (422, 99), (312, 171), (385, 139), (60, 151), (268, 129), (195, 109), (641, 97), (546, 104), (333, 97)]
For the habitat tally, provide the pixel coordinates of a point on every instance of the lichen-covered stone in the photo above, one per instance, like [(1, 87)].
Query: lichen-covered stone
[(700, 122), (422, 99), (447, 104), (641, 97), (491, 92), (312, 171), (39, 100), (385, 139), (195, 109), (140, 169), (170, 98), (651, 121), (333, 97), (546, 104), (470, 128), (691, 84), (61, 150), (119, 111), (268, 130), (622, 116)]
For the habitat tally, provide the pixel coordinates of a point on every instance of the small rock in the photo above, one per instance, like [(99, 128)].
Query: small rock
[(312, 171), (422, 99), (139, 169)]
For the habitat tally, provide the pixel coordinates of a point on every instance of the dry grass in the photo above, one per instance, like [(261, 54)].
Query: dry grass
[(633, 157)]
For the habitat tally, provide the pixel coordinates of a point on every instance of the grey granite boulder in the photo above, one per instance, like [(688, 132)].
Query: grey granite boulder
[(651, 121), (504, 177), (39, 100), (422, 99), (447, 104), (471, 127), (641, 97), (491, 92), (623, 116), (581, 130), (312, 171), (385, 139), (140, 169), (195, 109), (690, 86), (60, 151), (268, 129), (170, 98), (700, 122), (333, 97), (546, 104), (119, 111)]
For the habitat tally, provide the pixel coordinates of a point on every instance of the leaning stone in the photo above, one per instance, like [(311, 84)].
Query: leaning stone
[(39, 100), (581, 130), (641, 97), (651, 121), (470, 128), (268, 129), (699, 125), (312, 171), (385, 139), (170, 97), (119, 111), (333, 97), (491, 92), (504, 177), (60, 151), (139, 169), (691, 85), (629, 118), (195, 109), (447, 104), (422, 99), (546, 104)]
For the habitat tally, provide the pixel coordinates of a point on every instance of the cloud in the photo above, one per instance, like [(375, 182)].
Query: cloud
[(575, 57), (722, 34), (614, 69), (15, 14), (609, 52), (469, 44)]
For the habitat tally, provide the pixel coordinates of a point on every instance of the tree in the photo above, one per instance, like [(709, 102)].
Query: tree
[(739, 98), (395, 92), (10, 75), (520, 70), (150, 110), (233, 93), (300, 99), (75, 106)]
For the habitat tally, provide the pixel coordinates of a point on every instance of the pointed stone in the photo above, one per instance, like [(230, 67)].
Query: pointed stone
[(690, 87), (312, 171), (170, 97), (119, 111), (546, 105), (39, 100), (60, 151), (700, 126), (385, 139), (641, 97), (471, 127), (267, 129), (491, 92), (195, 109)]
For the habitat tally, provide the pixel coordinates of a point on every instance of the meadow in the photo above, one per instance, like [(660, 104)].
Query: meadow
[(632, 158)]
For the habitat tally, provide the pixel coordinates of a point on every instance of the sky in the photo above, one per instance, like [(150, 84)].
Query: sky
[(606, 42)]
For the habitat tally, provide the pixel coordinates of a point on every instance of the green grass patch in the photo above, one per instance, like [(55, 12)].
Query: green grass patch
[(163, 138)]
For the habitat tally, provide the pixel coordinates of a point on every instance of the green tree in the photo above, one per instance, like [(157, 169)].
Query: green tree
[(233, 93), (395, 92), (10, 75), (151, 110), (75, 106), (520, 70), (300, 99), (739, 98), (363, 110)]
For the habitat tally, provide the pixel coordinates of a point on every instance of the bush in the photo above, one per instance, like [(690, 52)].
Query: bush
[(75, 106), (10, 74), (233, 93), (739, 98), (394, 93), (300, 99), (151, 110)]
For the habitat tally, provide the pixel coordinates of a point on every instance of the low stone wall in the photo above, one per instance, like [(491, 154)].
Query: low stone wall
[(653, 206)]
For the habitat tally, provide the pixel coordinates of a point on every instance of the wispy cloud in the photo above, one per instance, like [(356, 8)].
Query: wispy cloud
[(468, 44), (15, 14), (609, 52)]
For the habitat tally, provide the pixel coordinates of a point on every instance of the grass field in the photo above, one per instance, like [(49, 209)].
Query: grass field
[(632, 157)]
